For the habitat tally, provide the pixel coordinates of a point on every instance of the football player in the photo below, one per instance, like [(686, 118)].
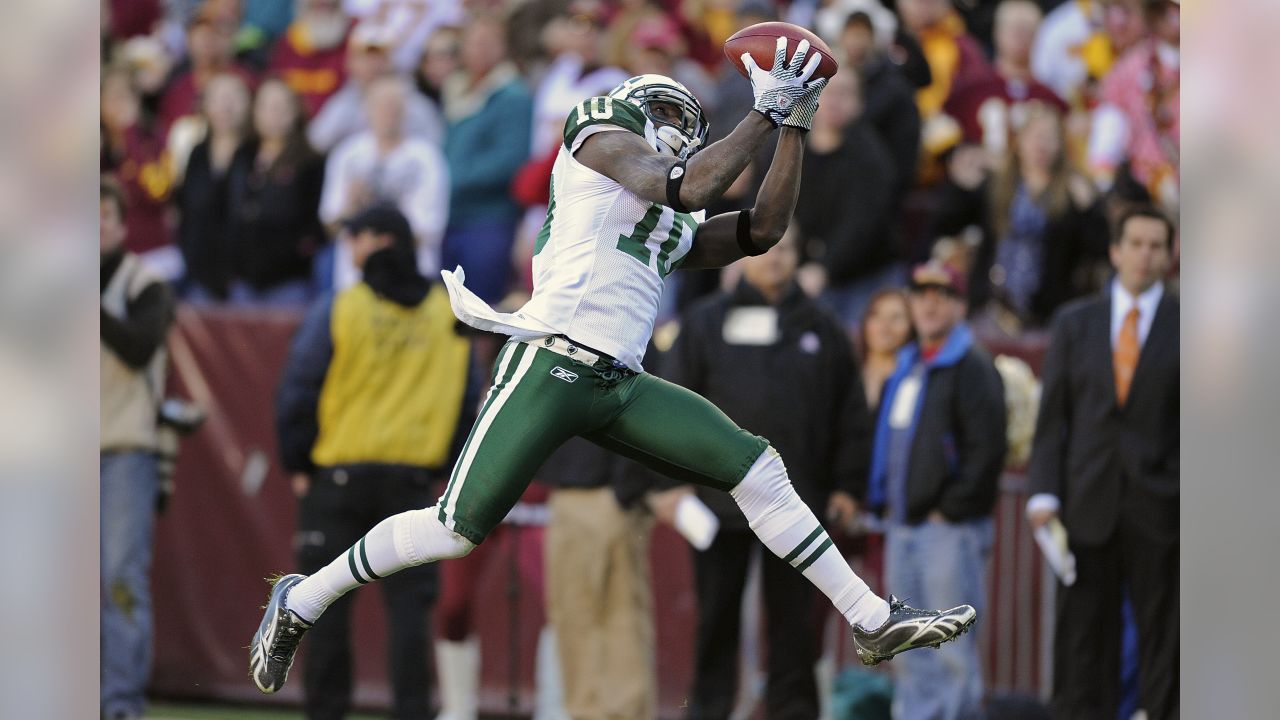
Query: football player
[(627, 193)]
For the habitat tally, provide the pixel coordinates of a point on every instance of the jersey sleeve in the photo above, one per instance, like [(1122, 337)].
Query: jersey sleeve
[(600, 114)]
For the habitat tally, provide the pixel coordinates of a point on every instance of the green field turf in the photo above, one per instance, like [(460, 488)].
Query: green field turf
[(166, 711)]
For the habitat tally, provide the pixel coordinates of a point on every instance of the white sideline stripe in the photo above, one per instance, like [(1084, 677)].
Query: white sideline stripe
[(482, 429)]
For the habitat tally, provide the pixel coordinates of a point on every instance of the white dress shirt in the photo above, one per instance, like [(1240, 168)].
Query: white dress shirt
[(1121, 302)]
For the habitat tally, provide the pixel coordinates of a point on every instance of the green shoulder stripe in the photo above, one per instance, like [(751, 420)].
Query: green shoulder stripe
[(603, 111)]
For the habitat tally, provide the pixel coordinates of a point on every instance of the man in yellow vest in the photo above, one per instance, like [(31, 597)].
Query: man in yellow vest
[(367, 413)]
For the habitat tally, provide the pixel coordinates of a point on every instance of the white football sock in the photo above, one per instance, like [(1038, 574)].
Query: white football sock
[(790, 530), (401, 541)]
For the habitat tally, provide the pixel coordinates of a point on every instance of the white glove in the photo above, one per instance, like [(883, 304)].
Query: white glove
[(779, 91), (802, 115)]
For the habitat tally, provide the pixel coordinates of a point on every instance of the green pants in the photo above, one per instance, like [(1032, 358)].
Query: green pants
[(540, 399)]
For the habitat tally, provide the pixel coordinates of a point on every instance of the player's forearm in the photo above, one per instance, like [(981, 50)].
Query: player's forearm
[(776, 201), (709, 174)]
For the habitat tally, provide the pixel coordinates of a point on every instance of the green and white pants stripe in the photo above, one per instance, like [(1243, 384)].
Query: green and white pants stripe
[(540, 399)]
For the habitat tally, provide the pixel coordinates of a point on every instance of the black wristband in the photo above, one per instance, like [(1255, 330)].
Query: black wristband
[(675, 178), (747, 247)]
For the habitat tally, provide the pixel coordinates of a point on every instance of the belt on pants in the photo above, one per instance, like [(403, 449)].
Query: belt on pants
[(561, 345)]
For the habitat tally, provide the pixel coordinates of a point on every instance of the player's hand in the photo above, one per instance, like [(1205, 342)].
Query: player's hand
[(842, 509), (1038, 518), (780, 90), (801, 117), (663, 504)]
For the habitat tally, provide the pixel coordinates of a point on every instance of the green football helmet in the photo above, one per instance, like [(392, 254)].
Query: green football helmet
[(680, 136)]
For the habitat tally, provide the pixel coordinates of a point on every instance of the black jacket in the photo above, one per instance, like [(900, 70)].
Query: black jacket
[(959, 443), (1096, 457), (803, 393), (890, 107), (273, 216), (846, 206), (203, 203)]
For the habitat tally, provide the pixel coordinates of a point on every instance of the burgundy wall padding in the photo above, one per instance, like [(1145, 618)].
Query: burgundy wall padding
[(229, 527)]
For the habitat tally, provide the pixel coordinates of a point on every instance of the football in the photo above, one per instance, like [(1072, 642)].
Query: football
[(760, 40)]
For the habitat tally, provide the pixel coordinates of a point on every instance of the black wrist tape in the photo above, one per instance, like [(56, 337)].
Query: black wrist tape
[(675, 178), (747, 247)]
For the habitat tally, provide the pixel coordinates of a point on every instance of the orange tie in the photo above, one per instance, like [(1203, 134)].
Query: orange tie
[(1125, 356)]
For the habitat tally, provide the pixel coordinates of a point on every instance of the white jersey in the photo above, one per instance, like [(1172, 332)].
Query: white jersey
[(602, 256)]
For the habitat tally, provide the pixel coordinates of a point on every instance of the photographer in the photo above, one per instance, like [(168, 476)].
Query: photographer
[(136, 314)]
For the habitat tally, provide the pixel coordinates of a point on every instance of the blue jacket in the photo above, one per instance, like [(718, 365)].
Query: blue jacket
[(957, 432)]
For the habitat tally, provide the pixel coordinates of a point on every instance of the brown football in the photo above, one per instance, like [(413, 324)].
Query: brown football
[(760, 40)]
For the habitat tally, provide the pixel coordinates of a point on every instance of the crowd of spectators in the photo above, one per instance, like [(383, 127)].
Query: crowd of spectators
[(967, 169), (993, 136)]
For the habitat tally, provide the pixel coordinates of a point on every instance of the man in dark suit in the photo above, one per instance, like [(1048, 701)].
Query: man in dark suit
[(1106, 459)]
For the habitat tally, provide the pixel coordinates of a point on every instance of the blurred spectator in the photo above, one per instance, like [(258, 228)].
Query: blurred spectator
[(888, 97), (655, 47), (992, 108), (959, 228), (574, 73), (1048, 223), (131, 18), (1138, 119), (368, 412), (210, 53), (1106, 459), (885, 329), (780, 366), (954, 59), (845, 208), (385, 165), (439, 61), (346, 112), (938, 454), (413, 22), (1073, 49), (572, 41), (273, 203), (311, 56), (202, 197), (135, 315), (134, 155), (490, 115), (516, 544), (598, 595)]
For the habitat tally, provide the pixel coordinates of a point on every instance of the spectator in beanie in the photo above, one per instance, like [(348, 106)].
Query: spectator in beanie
[(274, 203)]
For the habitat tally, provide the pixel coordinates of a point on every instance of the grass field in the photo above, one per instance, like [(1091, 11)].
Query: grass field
[(166, 711)]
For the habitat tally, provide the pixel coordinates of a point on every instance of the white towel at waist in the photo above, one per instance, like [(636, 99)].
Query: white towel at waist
[(470, 309)]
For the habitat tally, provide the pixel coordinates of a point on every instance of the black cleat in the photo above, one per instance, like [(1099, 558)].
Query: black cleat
[(275, 642), (909, 628)]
